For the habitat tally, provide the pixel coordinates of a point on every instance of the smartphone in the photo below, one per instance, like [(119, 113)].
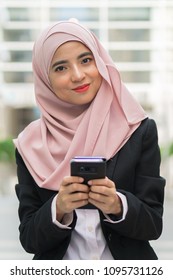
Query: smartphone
[(88, 167)]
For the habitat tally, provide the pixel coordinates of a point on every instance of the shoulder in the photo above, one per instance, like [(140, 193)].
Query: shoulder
[(146, 130), (27, 184), (19, 159), (147, 125)]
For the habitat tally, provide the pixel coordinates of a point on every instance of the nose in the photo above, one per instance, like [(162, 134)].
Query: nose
[(77, 74)]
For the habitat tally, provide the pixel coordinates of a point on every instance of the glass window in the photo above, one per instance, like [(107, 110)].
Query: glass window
[(19, 56), (129, 35), (130, 55), (96, 32), (129, 14), (18, 77), (135, 77), (19, 35), (82, 14), (23, 14), (20, 118)]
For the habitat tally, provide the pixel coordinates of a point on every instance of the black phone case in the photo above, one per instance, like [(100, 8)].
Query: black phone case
[(88, 168)]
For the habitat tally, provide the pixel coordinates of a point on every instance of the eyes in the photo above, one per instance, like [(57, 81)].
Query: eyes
[(62, 68), (86, 60)]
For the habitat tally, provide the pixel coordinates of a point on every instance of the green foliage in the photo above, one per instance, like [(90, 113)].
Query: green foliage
[(170, 149), (167, 150), (7, 150)]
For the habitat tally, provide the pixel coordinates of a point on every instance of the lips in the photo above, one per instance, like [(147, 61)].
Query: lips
[(82, 88)]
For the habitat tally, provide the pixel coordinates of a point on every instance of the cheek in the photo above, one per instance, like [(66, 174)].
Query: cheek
[(95, 73), (98, 78), (58, 83)]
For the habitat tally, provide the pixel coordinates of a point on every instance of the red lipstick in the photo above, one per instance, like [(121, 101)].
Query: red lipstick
[(82, 88)]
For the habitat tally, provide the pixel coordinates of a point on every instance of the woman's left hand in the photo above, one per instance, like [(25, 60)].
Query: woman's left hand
[(103, 195)]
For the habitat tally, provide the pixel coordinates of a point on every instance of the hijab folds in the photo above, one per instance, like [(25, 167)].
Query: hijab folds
[(64, 130)]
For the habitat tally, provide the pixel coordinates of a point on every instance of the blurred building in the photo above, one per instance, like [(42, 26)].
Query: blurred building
[(138, 35)]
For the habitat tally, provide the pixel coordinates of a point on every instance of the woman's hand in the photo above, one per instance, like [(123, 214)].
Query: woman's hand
[(72, 194), (103, 195)]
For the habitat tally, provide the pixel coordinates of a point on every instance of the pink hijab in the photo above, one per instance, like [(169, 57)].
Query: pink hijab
[(65, 130)]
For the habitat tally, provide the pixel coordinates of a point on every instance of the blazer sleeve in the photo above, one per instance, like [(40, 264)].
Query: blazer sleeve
[(145, 196), (38, 234)]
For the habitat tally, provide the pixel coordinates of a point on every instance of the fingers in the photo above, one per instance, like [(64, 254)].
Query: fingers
[(102, 182), (72, 194), (99, 192), (108, 205), (103, 195), (65, 205), (72, 184), (102, 186), (71, 179), (68, 203)]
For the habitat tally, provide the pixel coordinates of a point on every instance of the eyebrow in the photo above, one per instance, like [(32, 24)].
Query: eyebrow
[(60, 62)]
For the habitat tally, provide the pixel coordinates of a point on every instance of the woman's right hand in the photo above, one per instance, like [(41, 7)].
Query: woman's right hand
[(72, 194)]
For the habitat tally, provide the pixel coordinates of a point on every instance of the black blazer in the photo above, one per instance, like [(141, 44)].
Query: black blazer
[(135, 171)]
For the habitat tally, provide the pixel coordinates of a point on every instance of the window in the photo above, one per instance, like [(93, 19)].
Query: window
[(130, 55), (129, 14), (19, 35), (82, 14), (127, 35)]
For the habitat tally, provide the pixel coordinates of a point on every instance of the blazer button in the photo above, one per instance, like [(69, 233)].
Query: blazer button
[(109, 236)]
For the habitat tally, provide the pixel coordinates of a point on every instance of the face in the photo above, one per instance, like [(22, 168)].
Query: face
[(73, 74)]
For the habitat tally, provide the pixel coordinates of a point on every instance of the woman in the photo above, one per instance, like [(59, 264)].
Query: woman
[(86, 111)]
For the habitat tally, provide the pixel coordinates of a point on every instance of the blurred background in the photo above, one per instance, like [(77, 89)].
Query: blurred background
[(139, 37)]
